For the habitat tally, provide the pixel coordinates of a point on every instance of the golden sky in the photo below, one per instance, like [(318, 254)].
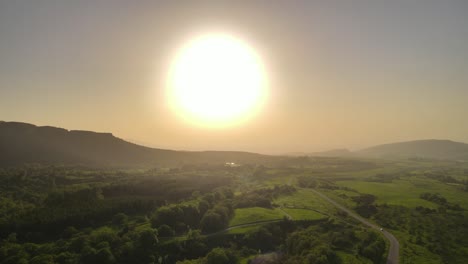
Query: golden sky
[(340, 74)]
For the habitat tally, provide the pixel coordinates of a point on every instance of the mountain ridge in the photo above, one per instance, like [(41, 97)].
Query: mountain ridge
[(441, 149), (423, 148), (22, 143)]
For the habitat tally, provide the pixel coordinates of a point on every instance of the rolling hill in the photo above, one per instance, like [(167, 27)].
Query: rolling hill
[(332, 153), (432, 149), (22, 143)]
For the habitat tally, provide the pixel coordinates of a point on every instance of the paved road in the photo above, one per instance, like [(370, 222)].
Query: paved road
[(393, 252)]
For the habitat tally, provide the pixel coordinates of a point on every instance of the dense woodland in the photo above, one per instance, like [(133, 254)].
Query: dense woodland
[(64, 214), (81, 215)]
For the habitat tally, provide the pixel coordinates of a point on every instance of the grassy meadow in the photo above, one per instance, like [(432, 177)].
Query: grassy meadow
[(255, 214)]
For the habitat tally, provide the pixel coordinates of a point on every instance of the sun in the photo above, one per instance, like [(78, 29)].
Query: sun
[(217, 80)]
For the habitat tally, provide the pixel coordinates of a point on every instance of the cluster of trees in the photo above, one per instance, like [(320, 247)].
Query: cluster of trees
[(124, 242), (37, 202), (216, 256), (307, 182), (106, 245), (365, 205), (443, 177), (384, 178), (317, 182), (81, 208), (169, 187), (211, 213), (440, 200), (327, 165), (308, 246), (440, 231), (73, 197), (320, 243), (295, 242), (314, 182), (77, 215), (262, 197)]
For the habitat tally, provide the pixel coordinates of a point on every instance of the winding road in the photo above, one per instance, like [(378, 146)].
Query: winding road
[(393, 252)]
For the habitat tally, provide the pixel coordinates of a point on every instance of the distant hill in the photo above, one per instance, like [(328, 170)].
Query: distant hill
[(22, 143), (332, 153), (432, 149), (427, 149), (327, 153)]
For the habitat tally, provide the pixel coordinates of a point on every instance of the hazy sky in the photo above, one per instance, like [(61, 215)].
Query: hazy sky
[(342, 73)]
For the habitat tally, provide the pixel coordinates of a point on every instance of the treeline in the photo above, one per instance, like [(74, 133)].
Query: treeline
[(106, 245), (170, 187), (122, 241), (386, 178), (365, 205), (211, 213), (318, 182), (442, 177), (440, 200), (440, 231), (37, 204), (73, 216), (319, 245), (296, 242)]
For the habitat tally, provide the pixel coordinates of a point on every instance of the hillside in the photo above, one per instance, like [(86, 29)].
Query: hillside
[(332, 153), (432, 149), (22, 143)]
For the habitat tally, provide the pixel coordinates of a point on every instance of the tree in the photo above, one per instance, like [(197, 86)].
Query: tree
[(165, 231), (211, 222), (203, 206), (167, 215), (119, 219), (217, 256), (104, 256), (43, 259)]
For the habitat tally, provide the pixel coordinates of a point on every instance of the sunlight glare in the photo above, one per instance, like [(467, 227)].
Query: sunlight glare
[(217, 80)]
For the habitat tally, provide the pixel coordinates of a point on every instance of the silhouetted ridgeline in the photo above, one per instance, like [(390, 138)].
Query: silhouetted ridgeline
[(22, 143), (333, 153), (417, 149), (431, 149)]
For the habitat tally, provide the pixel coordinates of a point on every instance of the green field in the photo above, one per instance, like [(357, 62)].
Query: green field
[(406, 191), (305, 199), (255, 214), (419, 243), (303, 214), (243, 230)]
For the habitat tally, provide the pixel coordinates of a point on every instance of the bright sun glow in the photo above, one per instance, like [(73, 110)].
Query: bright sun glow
[(217, 80)]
